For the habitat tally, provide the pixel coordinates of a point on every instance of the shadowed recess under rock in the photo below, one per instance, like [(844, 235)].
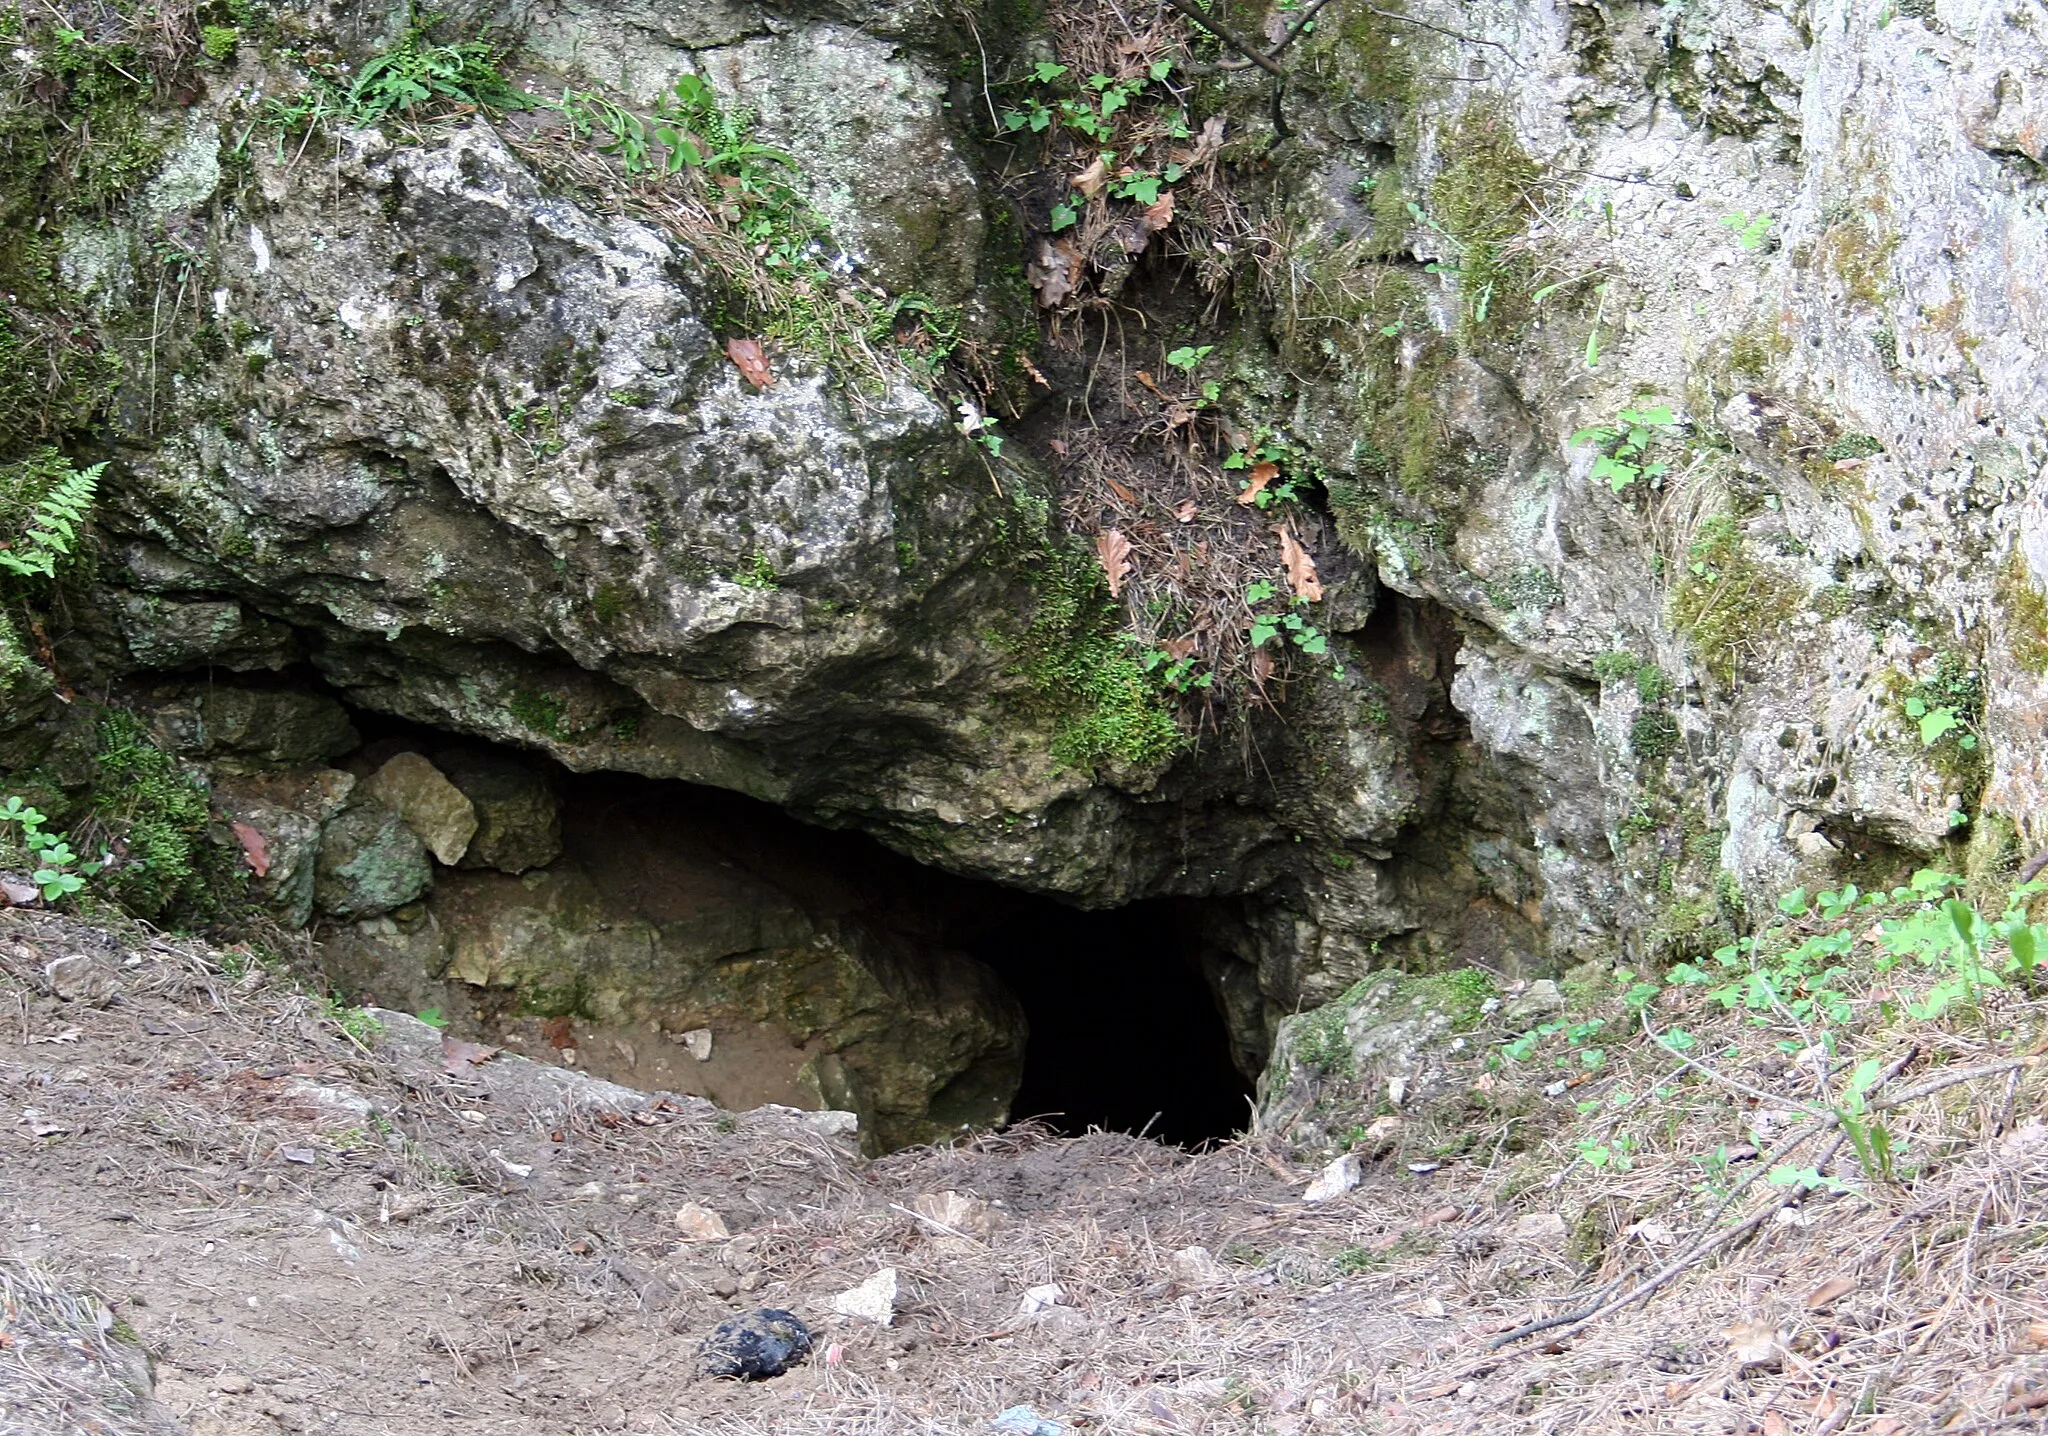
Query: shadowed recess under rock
[(689, 939)]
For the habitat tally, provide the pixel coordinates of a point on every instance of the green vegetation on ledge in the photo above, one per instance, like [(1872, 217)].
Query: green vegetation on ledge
[(1727, 603), (1088, 671), (156, 817)]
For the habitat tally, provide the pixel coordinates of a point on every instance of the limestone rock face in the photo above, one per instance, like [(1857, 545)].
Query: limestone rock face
[(867, 115), (682, 577), (434, 808), (469, 450), (370, 862)]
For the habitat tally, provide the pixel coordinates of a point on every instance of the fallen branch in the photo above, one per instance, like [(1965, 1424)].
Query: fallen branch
[(1267, 60), (2027, 1401), (1701, 1245), (1956, 1077), (1723, 1079), (1649, 1286)]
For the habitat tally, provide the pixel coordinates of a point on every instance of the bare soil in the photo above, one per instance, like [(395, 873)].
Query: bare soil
[(226, 1211)]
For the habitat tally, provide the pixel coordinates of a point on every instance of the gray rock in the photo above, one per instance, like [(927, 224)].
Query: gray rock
[(286, 812), (1389, 1034), (882, 170), (513, 1082), (1541, 999), (431, 806), (866, 114), (190, 172), (281, 848), (246, 729), (370, 862), (80, 977)]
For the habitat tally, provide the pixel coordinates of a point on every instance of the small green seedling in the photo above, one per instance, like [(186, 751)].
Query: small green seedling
[(1624, 443), (1751, 230), (1936, 723), (58, 873)]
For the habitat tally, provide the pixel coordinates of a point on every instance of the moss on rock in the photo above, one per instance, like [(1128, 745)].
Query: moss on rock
[(157, 816), (1085, 668), (1727, 603), (1483, 198)]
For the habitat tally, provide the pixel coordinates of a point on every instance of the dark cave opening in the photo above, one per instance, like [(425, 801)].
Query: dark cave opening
[(1125, 1032)]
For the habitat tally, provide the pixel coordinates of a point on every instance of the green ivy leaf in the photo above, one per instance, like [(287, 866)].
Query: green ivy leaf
[(1935, 723)]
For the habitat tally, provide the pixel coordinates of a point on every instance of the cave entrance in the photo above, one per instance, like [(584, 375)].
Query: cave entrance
[(1124, 1032)]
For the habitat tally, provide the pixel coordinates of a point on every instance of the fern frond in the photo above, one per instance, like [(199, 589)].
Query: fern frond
[(52, 529)]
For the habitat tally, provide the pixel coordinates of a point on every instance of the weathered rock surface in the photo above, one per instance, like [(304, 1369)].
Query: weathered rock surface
[(252, 729), (162, 632), (867, 114), (370, 862), (584, 594), (434, 808)]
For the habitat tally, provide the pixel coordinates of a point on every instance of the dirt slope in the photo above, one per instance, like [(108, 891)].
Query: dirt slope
[(308, 1232)]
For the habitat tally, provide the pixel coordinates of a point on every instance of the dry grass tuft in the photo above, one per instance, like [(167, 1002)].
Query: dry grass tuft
[(64, 1365)]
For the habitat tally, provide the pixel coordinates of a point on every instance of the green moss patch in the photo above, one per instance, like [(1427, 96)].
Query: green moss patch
[(1483, 198), (2025, 614), (1087, 670), (1460, 995), (156, 819), (1319, 1042), (1727, 603)]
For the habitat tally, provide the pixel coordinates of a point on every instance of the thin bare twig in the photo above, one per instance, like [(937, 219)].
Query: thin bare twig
[(1223, 32)]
